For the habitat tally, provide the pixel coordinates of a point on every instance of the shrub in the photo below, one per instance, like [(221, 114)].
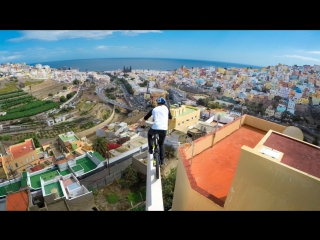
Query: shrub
[(112, 198)]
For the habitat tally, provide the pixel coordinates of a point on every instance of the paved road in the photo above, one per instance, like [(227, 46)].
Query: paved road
[(105, 99)]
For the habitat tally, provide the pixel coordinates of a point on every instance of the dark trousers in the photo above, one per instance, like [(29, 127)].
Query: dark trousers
[(162, 136)]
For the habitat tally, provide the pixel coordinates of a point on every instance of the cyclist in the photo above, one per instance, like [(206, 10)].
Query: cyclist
[(161, 120)]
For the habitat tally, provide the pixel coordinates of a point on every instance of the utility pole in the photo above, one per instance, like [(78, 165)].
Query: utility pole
[(215, 130), (108, 158)]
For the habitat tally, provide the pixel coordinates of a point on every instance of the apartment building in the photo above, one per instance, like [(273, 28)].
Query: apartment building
[(183, 116), (19, 157), (249, 164)]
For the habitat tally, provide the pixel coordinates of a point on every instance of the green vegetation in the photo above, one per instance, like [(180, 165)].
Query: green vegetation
[(127, 85), (29, 83), (6, 104), (100, 145), (139, 208), (112, 198), (111, 96), (29, 109), (206, 102), (110, 90), (5, 137), (170, 152), (35, 140), (131, 177), (16, 94), (63, 99), (9, 87), (70, 95), (137, 196), (168, 185), (76, 82), (87, 125)]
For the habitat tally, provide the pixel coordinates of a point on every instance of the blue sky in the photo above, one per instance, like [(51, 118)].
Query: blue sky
[(254, 47)]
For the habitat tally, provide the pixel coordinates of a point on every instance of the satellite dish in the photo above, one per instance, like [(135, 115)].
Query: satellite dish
[(294, 132)]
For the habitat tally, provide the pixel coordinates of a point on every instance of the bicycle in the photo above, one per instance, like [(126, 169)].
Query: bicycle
[(156, 153)]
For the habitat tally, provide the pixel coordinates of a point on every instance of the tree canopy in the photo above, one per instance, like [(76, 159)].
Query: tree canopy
[(100, 145)]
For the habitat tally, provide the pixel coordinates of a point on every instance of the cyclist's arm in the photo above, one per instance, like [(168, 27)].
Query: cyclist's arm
[(146, 117), (169, 118)]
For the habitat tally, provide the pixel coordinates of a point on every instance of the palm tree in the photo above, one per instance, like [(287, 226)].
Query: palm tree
[(100, 145)]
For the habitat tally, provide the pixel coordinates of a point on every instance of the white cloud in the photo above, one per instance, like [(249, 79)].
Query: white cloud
[(102, 47), (314, 52), (8, 58), (302, 58), (136, 32), (55, 35)]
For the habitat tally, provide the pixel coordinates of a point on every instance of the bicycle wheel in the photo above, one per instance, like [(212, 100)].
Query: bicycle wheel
[(156, 156)]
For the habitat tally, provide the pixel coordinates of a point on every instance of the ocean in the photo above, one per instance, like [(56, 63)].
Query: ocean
[(163, 64)]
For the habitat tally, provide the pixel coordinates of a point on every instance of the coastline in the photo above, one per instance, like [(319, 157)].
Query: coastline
[(162, 64)]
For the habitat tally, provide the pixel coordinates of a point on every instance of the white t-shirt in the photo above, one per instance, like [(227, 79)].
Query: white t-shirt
[(160, 114)]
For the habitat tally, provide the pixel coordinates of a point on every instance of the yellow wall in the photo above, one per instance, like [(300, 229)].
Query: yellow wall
[(261, 183), (185, 198), (22, 163), (177, 120)]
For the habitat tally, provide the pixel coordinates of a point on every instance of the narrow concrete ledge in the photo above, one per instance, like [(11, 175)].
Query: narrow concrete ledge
[(154, 200)]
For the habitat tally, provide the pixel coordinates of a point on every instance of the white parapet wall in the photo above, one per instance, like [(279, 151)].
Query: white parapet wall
[(154, 199)]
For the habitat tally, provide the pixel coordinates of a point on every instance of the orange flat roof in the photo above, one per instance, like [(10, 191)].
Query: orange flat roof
[(21, 149), (212, 170), (18, 201)]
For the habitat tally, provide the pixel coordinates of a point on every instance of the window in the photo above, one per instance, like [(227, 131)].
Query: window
[(32, 157), (178, 124), (27, 160), (182, 122), (187, 120), (16, 164)]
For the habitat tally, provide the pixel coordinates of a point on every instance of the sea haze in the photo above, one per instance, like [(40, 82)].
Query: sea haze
[(111, 64)]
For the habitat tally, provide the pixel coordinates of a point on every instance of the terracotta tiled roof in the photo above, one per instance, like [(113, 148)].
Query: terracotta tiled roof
[(18, 201), (36, 168), (21, 149)]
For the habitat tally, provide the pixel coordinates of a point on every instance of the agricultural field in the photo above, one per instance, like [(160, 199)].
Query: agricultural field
[(18, 103)]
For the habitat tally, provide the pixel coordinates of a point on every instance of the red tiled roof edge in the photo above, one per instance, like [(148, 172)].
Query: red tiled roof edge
[(193, 182)]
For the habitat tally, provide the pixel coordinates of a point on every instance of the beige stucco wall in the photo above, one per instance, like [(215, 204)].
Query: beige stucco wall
[(263, 124), (177, 119), (262, 183), (187, 199), (21, 161), (206, 141)]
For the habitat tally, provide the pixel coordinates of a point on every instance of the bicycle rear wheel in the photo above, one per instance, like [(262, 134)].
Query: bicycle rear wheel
[(156, 156)]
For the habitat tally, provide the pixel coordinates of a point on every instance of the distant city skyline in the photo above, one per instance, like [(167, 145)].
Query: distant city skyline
[(252, 47)]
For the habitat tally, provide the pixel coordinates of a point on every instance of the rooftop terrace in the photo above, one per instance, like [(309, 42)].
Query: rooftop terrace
[(12, 186), (86, 163), (69, 138), (298, 155), (213, 170), (49, 187), (186, 112), (35, 179)]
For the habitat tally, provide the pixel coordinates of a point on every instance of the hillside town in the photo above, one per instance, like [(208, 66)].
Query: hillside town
[(59, 175)]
